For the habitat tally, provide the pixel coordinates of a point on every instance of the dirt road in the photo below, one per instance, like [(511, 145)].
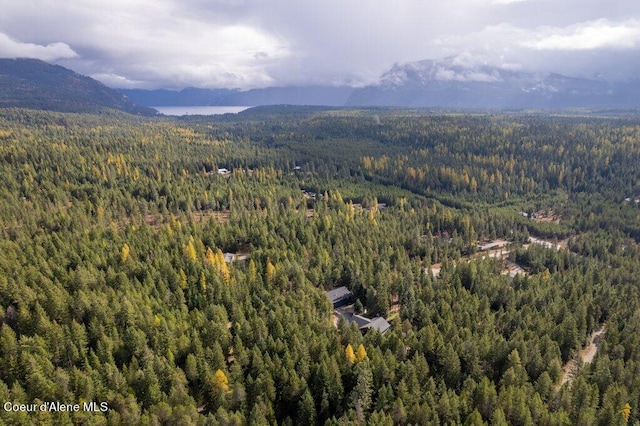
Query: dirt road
[(587, 354)]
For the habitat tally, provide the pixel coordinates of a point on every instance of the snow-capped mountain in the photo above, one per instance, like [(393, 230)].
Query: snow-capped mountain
[(446, 83)]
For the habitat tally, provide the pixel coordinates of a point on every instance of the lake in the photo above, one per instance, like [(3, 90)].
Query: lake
[(199, 110)]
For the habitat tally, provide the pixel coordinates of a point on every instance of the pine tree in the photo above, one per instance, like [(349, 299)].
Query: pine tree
[(362, 391)]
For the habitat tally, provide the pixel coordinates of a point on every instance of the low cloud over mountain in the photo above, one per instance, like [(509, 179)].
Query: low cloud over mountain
[(450, 83)]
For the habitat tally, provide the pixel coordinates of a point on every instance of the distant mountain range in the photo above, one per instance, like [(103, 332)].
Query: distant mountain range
[(430, 83), (308, 95), (31, 83), (443, 83)]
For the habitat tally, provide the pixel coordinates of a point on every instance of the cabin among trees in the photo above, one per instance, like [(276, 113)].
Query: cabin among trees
[(365, 324), (340, 296), (342, 300)]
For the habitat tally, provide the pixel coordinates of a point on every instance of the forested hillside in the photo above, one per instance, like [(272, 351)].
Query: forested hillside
[(135, 271), (35, 84)]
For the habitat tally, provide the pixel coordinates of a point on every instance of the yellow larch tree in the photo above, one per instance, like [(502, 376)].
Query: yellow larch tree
[(210, 257), (222, 267), (626, 412), (124, 253), (190, 250), (351, 356), (271, 272), (220, 381), (361, 353)]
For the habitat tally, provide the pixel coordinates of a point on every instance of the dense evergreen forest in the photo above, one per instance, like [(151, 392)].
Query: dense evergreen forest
[(176, 269)]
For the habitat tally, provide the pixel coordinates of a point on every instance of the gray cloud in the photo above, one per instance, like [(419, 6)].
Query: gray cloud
[(242, 43)]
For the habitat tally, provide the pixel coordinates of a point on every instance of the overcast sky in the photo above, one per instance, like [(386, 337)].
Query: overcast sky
[(258, 43)]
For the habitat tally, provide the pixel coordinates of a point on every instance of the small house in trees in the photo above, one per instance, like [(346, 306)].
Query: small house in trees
[(340, 296), (492, 245), (365, 324), (358, 320), (378, 323), (235, 257)]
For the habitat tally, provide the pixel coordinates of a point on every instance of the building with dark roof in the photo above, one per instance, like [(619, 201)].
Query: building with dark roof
[(378, 323), (365, 324), (340, 296), (359, 320)]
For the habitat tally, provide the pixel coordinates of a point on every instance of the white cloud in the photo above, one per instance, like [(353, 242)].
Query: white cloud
[(603, 48), (202, 55), (153, 42), (115, 80), (11, 48), (591, 35), (493, 45), (447, 74)]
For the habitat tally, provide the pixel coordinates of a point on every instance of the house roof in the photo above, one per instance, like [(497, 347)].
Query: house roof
[(338, 294), (379, 323), (360, 321), (488, 245)]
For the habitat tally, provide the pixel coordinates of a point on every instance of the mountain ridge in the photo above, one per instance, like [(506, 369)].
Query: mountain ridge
[(442, 83), (291, 95), (35, 84), (445, 83)]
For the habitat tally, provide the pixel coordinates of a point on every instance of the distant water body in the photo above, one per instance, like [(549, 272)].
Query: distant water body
[(199, 110)]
